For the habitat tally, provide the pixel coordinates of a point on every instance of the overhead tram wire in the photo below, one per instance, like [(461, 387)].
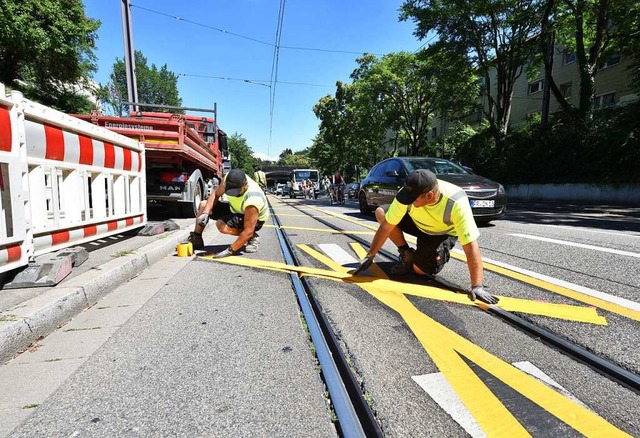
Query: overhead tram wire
[(263, 82), (224, 31), (274, 71)]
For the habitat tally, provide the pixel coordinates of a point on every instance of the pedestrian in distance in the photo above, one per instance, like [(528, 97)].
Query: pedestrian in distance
[(437, 213), (260, 177), (338, 186), (243, 215), (326, 185)]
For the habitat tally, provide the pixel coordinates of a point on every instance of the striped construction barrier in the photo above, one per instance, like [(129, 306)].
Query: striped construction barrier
[(63, 181)]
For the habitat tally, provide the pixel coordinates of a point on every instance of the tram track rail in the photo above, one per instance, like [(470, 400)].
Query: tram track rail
[(355, 418), (601, 365)]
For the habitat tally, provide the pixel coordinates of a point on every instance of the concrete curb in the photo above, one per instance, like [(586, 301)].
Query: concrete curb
[(23, 324)]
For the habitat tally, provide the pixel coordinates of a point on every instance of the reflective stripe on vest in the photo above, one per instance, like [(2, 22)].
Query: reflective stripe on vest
[(446, 217)]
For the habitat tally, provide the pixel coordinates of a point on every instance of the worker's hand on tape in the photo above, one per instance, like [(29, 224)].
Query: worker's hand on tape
[(225, 253), (478, 292), (364, 264), (203, 220)]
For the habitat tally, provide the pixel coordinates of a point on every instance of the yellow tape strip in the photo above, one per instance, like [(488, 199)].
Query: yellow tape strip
[(340, 273), (560, 290), (445, 346), (301, 215), (362, 253)]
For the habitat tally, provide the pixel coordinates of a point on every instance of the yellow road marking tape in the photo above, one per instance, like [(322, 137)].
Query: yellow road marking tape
[(362, 253), (445, 347), (302, 215), (340, 273), (560, 290), (320, 230)]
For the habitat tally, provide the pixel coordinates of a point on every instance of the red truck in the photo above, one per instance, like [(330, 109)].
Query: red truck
[(184, 154)]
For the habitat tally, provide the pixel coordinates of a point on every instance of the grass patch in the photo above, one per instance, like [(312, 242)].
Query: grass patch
[(82, 329), (124, 253), (30, 406), (8, 317)]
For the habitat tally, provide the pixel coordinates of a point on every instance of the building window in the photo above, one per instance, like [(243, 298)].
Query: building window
[(568, 57), (535, 87), (566, 89), (614, 60), (605, 101)]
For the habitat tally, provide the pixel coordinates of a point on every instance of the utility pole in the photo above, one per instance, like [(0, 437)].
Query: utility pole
[(129, 57)]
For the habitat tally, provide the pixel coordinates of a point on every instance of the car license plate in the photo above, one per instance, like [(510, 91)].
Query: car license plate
[(482, 204)]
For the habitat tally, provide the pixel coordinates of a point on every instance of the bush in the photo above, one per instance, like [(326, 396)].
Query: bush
[(601, 149)]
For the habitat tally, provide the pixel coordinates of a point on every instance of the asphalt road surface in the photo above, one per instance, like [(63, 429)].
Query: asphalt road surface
[(197, 347)]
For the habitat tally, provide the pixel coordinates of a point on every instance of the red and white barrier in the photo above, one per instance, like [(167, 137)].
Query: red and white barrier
[(63, 182)]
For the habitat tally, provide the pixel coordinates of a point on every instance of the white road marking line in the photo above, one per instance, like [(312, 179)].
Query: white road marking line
[(94, 244), (337, 254), (439, 389), (585, 290), (536, 372), (578, 245), (587, 230)]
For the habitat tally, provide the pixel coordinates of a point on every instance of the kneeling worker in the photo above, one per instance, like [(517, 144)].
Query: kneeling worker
[(244, 214), (437, 213)]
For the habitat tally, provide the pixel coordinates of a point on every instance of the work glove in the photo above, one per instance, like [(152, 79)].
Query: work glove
[(478, 292), (203, 220), (225, 253), (364, 264)]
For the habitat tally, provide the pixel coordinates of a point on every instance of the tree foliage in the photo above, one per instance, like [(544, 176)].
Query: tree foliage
[(388, 108), (494, 36), (594, 30), (241, 154), (47, 50), (155, 85)]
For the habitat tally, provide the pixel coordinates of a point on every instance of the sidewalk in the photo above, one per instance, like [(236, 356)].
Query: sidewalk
[(30, 313)]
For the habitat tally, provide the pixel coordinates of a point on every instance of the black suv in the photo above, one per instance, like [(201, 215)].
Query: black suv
[(488, 199)]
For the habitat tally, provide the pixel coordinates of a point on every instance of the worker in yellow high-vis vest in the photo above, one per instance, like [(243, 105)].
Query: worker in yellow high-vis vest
[(437, 213), (243, 215)]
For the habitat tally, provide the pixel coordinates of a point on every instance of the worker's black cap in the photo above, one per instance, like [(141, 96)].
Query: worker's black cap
[(418, 182), (234, 182)]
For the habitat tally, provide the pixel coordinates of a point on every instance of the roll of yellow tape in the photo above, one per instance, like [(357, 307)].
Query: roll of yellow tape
[(184, 249)]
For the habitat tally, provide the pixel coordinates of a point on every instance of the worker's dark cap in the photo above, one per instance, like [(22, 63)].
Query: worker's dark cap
[(234, 182), (418, 182)]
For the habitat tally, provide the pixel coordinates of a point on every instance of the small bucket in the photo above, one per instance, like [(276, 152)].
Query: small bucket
[(184, 249)]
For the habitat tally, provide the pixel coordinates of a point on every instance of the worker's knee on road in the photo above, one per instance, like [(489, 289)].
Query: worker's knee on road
[(221, 225), (380, 214)]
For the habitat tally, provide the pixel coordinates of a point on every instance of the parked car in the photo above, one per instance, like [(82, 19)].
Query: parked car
[(280, 188), (286, 190), (352, 191), (488, 198)]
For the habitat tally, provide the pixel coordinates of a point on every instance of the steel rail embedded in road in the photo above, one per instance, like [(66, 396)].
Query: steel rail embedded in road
[(602, 366), (354, 416)]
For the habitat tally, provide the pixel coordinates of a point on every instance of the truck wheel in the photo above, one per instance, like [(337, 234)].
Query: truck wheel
[(190, 209)]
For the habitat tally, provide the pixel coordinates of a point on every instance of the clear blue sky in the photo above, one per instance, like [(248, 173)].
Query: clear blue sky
[(198, 49)]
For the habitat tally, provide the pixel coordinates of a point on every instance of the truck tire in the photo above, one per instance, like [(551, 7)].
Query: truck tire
[(190, 209)]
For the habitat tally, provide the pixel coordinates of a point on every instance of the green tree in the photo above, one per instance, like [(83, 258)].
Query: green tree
[(241, 154), (495, 36), (47, 50), (155, 85)]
